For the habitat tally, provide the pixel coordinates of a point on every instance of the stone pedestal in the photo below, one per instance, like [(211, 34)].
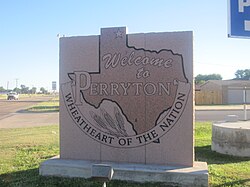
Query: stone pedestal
[(171, 175), (231, 138)]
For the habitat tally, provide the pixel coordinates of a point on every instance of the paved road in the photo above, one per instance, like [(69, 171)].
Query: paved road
[(11, 115), (219, 114), (8, 108)]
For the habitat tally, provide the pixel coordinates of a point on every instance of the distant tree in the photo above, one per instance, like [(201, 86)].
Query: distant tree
[(17, 90), (32, 90), (43, 90), (2, 89), (203, 78), (24, 89), (242, 74)]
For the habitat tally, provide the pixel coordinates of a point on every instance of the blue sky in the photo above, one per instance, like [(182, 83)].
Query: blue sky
[(29, 48)]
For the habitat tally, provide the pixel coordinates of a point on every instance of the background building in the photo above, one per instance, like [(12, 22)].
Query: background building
[(223, 92)]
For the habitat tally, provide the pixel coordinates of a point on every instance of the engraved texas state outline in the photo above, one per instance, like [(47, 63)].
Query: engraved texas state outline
[(138, 86)]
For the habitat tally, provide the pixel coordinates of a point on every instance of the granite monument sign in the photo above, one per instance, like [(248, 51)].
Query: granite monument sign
[(127, 98)]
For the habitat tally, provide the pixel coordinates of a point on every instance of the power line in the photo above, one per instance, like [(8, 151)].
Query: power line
[(229, 65)]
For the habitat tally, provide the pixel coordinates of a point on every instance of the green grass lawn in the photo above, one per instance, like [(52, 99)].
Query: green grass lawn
[(3, 96), (49, 106), (23, 149), (224, 170)]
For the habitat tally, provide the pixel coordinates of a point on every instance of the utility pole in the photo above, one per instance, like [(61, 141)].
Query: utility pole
[(16, 82), (245, 102)]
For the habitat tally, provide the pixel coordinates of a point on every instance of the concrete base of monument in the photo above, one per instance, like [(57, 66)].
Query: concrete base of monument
[(231, 138), (175, 175)]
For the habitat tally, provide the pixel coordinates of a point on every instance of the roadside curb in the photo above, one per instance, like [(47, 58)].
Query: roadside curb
[(216, 109), (221, 107)]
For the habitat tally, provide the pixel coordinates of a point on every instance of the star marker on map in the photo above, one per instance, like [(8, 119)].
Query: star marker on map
[(118, 34)]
